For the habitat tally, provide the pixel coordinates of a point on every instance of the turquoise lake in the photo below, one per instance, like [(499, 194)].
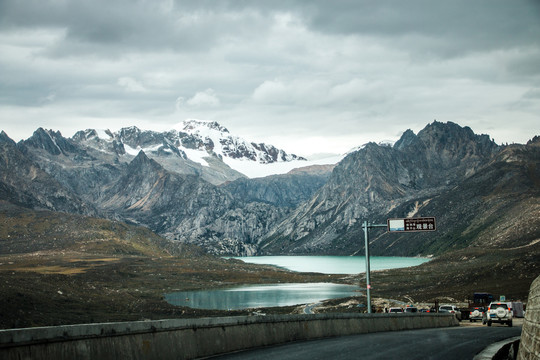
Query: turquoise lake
[(335, 264), (269, 295)]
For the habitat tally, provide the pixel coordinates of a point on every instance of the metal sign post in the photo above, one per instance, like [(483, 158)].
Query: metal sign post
[(393, 225), (367, 226)]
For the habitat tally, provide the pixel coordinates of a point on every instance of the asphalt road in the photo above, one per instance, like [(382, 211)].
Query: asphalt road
[(462, 342)]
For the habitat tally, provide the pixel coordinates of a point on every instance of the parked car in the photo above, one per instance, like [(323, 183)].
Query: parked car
[(479, 300), (451, 309), (478, 313), (499, 312), (395, 310), (411, 309)]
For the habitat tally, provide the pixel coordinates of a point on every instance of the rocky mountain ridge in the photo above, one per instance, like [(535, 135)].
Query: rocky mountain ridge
[(183, 207), (421, 175), (203, 148), (24, 182), (314, 210)]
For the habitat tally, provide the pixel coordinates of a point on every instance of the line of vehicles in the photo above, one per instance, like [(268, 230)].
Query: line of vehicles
[(483, 308), (486, 309), (497, 312)]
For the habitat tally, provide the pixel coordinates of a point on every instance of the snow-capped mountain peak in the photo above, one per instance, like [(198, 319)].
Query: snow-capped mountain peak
[(218, 140), (197, 126), (198, 141)]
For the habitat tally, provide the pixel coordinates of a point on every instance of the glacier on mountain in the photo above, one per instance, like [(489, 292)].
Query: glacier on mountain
[(200, 141)]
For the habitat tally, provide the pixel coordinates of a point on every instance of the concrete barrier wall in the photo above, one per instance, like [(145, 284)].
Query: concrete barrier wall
[(529, 346), (192, 338)]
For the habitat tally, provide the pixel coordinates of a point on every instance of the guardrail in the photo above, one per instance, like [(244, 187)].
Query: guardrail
[(192, 338)]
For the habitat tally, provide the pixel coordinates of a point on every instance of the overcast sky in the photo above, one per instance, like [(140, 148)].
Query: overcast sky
[(306, 76)]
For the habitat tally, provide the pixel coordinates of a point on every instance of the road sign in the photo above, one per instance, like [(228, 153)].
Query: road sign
[(411, 224)]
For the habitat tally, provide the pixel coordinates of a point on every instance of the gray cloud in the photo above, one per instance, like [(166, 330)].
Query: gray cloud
[(448, 28), (335, 74)]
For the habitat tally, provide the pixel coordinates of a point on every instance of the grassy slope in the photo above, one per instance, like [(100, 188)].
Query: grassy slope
[(65, 269)]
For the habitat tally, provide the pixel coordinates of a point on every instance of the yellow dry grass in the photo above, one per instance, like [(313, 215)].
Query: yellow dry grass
[(89, 263), (54, 269)]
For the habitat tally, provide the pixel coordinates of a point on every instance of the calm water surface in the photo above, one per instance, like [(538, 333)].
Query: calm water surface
[(335, 264), (254, 296)]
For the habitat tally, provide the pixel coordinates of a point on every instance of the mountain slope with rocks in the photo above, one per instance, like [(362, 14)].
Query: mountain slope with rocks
[(288, 190), (24, 183), (440, 172), (472, 185), (139, 189)]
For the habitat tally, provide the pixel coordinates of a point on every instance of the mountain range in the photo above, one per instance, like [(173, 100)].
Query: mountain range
[(190, 185)]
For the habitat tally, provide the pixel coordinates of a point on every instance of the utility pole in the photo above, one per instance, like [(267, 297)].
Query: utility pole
[(366, 226)]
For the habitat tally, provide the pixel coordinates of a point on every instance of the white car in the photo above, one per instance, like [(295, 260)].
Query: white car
[(451, 309), (500, 312), (478, 313)]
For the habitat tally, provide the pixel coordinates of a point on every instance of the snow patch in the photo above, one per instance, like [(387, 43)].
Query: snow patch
[(253, 169), (131, 151), (196, 156), (103, 134)]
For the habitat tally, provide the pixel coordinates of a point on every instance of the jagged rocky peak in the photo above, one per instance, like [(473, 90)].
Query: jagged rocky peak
[(134, 137), (93, 134), (452, 136), (103, 140), (535, 141), (51, 141), (406, 140), (447, 142), (193, 125), (141, 160), (4, 138)]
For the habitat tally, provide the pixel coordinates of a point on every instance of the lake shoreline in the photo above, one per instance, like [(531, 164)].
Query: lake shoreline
[(289, 294), (335, 265)]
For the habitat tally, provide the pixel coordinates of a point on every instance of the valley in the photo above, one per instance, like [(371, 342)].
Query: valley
[(98, 227), (57, 288), (109, 271)]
